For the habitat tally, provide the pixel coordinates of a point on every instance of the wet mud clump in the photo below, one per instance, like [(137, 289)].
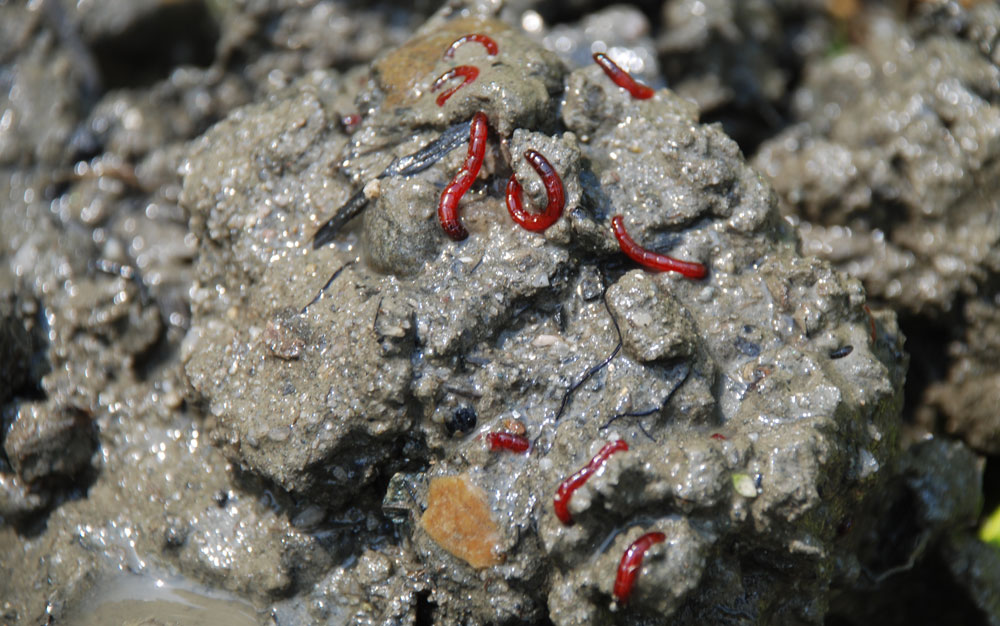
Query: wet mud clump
[(277, 335), (893, 172), (892, 180), (106, 475), (751, 427)]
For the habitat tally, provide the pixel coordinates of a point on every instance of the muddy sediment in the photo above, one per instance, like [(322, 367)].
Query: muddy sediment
[(198, 391)]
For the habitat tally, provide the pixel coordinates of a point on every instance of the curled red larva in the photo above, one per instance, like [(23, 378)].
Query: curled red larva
[(566, 488), (468, 73), (628, 567), (556, 195), (485, 40)]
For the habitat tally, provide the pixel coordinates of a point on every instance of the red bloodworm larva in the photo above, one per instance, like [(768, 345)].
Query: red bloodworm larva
[(485, 40), (718, 436), (553, 189), (650, 259), (508, 441), (448, 206), (349, 122), (871, 322), (622, 78), (468, 74), (628, 568), (566, 488)]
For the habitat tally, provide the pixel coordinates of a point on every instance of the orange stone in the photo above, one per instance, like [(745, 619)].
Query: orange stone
[(399, 70), (458, 519), (514, 426)]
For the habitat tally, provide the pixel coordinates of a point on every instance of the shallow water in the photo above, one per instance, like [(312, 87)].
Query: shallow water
[(164, 601)]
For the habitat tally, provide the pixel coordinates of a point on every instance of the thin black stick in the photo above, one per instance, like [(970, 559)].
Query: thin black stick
[(451, 138), (639, 423), (407, 165), (348, 211), (378, 310), (655, 409), (599, 366), (319, 293)]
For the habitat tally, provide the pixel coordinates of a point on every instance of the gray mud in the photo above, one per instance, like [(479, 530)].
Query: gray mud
[(197, 400), (893, 171)]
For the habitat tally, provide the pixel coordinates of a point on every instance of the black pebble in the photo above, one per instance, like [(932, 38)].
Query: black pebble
[(462, 421), (841, 352)]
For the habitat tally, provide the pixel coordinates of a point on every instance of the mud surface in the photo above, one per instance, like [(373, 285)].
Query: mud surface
[(196, 399)]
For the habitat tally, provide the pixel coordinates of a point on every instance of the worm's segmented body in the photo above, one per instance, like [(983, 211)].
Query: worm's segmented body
[(486, 41), (622, 78), (508, 441), (452, 194), (566, 488), (653, 260), (628, 568), (468, 73), (553, 190)]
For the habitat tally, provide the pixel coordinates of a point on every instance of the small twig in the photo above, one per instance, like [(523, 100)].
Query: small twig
[(599, 366), (917, 552), (430, 154), (462, 391), (348, 211), (378, 310), (319, 294), (407, 165), (670, 395), (639, 423), (96, 170)]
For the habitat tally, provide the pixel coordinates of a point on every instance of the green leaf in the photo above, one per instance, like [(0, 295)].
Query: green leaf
[(990, 531)]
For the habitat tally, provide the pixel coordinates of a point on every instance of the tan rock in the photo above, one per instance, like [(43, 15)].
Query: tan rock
[(458, 519)]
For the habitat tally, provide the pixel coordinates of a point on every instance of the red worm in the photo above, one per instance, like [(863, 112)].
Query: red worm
[(718, 436), (574, 482), (508, 441), (486, 40), (553, 189), (653, 260), (628, 568), (871, 322), (448, 206), (350, 122), (622, 78), (468, 74)]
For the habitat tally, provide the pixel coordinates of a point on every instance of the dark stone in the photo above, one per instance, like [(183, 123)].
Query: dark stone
[(462, 421), (43, 442)]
